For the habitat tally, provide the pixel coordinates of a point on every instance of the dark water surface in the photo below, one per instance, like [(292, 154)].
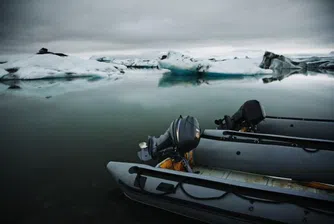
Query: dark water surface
[(54, 150)]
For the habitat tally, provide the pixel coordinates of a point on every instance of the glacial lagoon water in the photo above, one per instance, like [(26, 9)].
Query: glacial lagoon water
[(57, 136)]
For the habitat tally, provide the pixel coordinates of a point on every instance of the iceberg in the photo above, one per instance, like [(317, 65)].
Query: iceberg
[(181, 64), (278, 62), (129, 63), (48, 66)]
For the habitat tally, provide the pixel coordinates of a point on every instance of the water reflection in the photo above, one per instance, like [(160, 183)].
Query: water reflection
[(169, 79), (279, 75), (48, 81), (55, 86)]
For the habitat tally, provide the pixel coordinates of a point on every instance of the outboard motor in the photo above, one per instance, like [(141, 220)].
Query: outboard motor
[(182, 136), (246, 118), (251, 117)]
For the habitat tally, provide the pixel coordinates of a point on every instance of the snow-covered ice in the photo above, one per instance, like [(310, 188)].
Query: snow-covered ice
[(238, 66), (49, 66), (129, 63), (179, 63), (52, 66)]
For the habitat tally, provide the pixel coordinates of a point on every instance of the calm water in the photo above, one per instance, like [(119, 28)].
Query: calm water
[(54, 150)]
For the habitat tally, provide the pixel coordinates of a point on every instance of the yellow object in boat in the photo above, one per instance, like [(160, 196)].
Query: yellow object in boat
[(170, 163)]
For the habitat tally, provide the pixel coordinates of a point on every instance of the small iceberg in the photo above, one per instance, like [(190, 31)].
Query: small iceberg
[(277, 62), (136, 63), (280, 62), (181, 64), (55, 65)]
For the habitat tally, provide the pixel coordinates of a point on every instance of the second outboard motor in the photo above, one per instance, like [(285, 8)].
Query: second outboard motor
[(251, 117), (247, 117), (182, 136)]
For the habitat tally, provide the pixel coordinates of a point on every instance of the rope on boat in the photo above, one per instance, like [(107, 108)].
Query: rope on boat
[(250, 199)]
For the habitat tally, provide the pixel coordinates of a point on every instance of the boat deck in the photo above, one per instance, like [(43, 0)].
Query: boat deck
[(259, 179)]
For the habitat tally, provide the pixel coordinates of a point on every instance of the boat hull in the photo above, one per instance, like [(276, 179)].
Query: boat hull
[(234, 201), (184, 208), (297, 127), (286, 161)]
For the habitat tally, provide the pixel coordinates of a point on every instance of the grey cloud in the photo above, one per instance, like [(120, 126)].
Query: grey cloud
[(82, 25)]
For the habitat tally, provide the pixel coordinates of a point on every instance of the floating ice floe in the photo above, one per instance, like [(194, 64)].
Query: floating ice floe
[(179, 63), (129, 63), (48, 66)]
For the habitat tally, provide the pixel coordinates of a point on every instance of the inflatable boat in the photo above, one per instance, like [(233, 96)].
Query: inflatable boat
[(235, 173), (252, 117)]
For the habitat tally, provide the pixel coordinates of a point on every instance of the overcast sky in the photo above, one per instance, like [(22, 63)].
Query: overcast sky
[(74, 26)]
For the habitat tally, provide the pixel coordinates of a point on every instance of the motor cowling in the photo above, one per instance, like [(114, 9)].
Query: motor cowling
[(183, 135), (250, 113)]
